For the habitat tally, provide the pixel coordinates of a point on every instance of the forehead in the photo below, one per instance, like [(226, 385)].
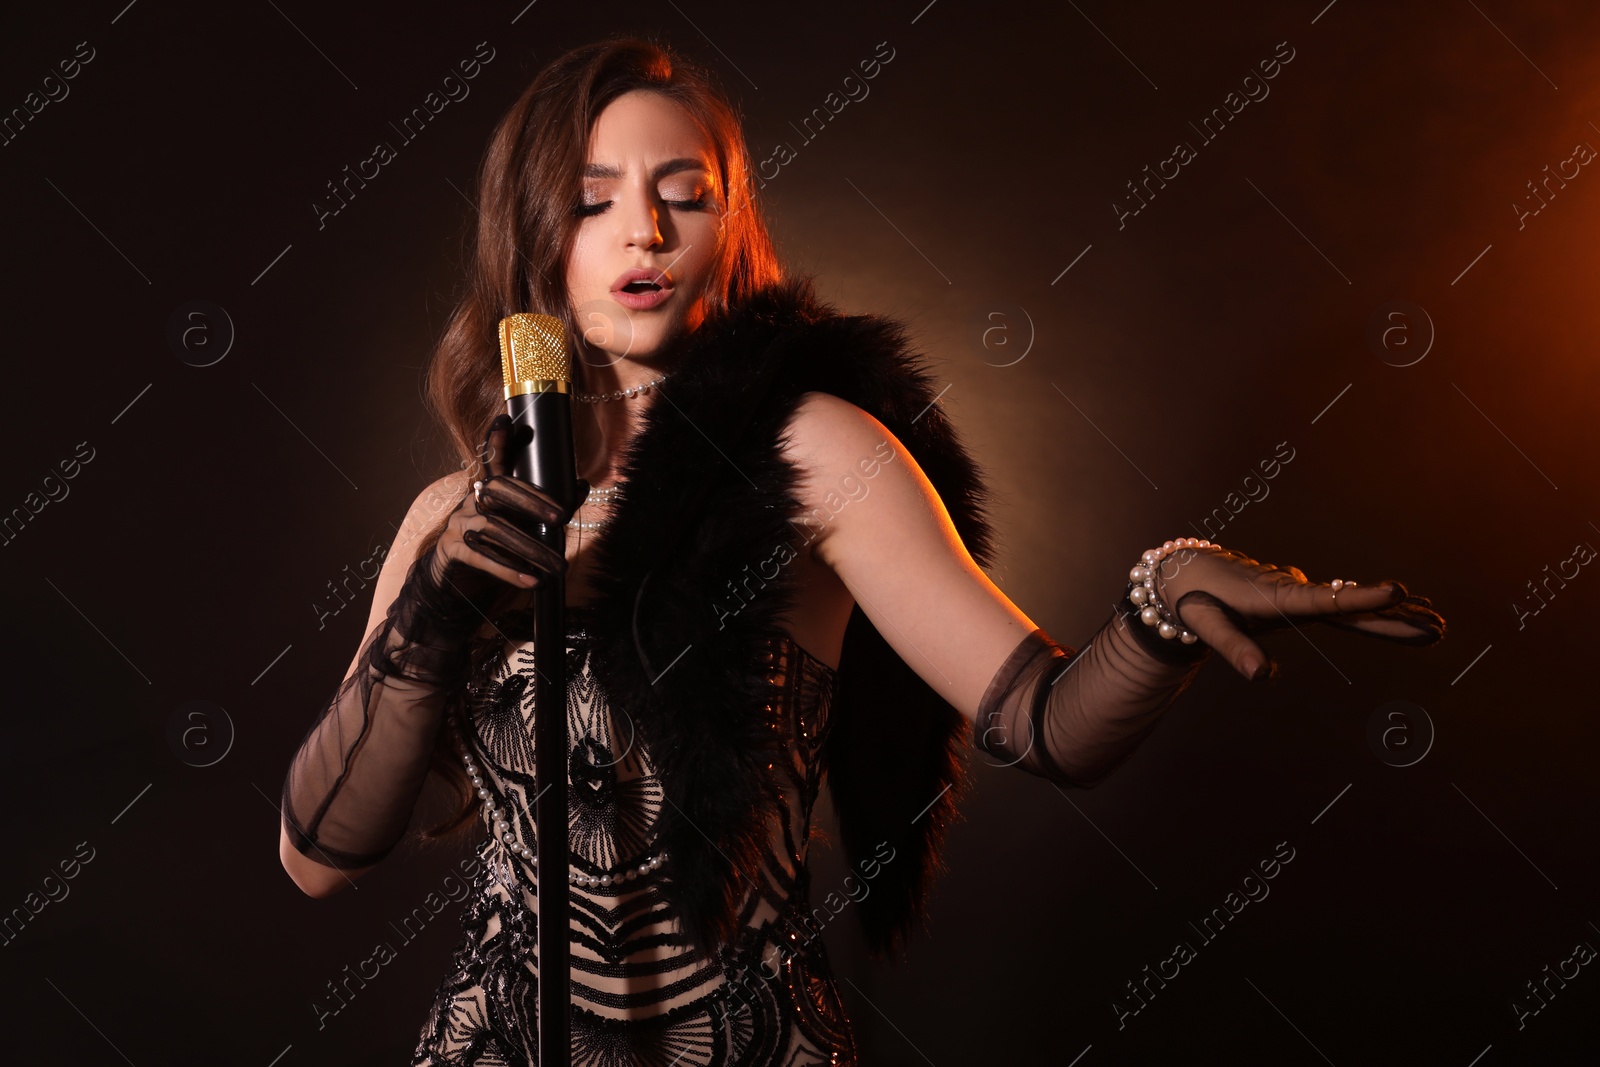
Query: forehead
[(642, 128)]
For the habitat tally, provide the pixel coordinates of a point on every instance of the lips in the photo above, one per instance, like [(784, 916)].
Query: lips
[(639, 280)]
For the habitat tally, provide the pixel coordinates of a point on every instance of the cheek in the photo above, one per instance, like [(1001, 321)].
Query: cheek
[(707, 238), (581, 265), (582, 244)]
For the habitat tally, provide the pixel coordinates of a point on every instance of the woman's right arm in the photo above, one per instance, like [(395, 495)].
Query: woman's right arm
[(408, 720), (355, 779)]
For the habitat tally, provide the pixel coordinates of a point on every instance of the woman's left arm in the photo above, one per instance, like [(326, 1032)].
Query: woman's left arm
[(1062, 713)]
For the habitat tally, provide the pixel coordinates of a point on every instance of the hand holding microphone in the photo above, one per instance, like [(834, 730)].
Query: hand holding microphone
[(511, 529), (513, 526), (497, 529)]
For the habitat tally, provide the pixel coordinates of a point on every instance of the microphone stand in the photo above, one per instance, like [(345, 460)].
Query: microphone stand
[(537, 371), (550, 746)]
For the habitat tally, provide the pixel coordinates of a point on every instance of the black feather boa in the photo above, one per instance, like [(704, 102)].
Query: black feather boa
[(709, 505)]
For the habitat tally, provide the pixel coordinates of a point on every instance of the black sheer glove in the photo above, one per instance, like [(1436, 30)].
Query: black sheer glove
[(353, 783), (490, 542), (1074, 717), (1226, 597)]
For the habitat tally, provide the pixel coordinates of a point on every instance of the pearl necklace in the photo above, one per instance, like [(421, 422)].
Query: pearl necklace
[(621, 394), (494, 815), (596, 496)]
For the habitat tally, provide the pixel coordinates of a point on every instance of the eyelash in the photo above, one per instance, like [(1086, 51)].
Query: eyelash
[(588, 210)]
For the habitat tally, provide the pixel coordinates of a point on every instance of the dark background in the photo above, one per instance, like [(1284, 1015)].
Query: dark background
[(1231, 315)]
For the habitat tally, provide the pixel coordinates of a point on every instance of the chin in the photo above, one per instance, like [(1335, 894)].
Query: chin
[(640, 335), (646, 344), (654, 335)]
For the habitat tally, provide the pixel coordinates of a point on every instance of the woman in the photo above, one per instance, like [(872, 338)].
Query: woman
[(773, 575)]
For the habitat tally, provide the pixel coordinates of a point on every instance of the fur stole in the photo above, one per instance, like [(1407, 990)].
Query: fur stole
[(709, 504)]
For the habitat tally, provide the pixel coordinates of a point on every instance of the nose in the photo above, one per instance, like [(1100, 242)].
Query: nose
[(643, 222)]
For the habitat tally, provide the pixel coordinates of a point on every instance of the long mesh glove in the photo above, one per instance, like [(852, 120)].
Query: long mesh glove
[(351, 787), (1074, 717)]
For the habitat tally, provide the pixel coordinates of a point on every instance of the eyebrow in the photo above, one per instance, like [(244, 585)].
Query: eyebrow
[(671, 166)]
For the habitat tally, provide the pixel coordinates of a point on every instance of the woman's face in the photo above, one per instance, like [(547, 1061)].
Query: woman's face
[(651, 200)]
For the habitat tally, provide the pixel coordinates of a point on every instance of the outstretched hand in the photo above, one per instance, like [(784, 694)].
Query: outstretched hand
[(1224, 597)]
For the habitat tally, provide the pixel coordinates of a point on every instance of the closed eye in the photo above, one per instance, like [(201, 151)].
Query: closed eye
[(699, 203)]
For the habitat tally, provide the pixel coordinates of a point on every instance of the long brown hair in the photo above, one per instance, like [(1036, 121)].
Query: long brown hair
[(529, 184)]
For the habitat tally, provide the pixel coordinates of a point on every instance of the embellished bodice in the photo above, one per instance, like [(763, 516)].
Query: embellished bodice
[(639, 991)]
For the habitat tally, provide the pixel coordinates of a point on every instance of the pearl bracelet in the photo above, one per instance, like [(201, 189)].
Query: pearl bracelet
[(1143, 595)]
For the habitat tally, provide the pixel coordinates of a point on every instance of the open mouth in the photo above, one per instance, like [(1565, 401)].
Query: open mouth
[(640, 286)]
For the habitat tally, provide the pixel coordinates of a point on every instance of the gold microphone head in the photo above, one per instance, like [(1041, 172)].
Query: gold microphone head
[(533, 354)]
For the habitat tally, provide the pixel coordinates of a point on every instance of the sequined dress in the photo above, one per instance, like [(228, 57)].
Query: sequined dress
[(640, 994)]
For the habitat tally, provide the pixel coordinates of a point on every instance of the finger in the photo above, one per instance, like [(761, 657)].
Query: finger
[(494, 457), (507, 544), (1322, 599), (470, 556), (510, 498), (1222, 628), (1410, 622), (510, 547)]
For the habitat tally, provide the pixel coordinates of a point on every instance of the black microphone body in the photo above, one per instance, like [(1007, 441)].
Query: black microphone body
[(548, 461)]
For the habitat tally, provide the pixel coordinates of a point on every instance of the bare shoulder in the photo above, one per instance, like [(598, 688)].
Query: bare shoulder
[(846, 457), (430, 507), (823, 429), (452, 487)]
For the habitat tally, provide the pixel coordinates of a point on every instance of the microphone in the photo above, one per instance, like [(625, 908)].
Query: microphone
[(537, 372), (533, 361)]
